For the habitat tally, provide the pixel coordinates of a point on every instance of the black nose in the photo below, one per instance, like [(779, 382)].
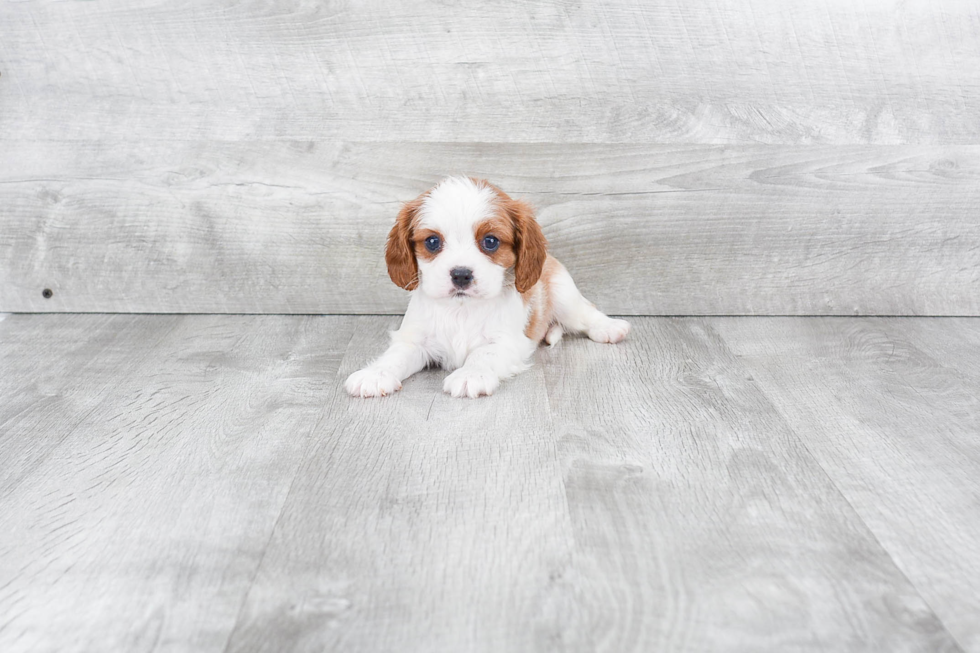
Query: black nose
[(461, 277)]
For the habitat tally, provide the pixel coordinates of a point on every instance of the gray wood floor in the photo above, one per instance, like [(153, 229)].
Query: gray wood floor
[(174, 483)]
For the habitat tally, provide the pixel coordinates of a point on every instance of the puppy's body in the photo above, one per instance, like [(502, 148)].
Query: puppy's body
[(485, 292)]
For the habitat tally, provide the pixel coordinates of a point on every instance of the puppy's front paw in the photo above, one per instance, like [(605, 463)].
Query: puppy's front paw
[(471, 382), (372, 383), (609, 330)]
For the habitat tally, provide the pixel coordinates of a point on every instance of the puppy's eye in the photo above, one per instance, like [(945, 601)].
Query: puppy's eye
[(433, 243), (490, 243)]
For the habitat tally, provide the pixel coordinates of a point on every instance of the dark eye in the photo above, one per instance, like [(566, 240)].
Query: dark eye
[(433, 243), (490, 243)]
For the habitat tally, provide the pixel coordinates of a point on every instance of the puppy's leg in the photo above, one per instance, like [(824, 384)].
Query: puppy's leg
[(554, 335), (486, 366), (578, 315), (385, 375)]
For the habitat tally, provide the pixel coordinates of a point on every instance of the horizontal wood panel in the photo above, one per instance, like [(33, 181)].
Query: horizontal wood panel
[(299, 227), (828, 71)]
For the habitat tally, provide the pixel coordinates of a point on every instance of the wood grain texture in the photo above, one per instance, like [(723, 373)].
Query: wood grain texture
[(714, 158), (885, 71), (694, 521), (300, 227), (203, 483), (890, 408), (41, 360), (418, 523), (142, 526), (701, 521)]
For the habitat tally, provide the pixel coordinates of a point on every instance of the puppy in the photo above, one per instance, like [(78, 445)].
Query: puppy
[(485, 292)]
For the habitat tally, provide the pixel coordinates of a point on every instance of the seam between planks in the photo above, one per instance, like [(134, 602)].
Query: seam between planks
[(763, 390), (840, 316), (327, 410)]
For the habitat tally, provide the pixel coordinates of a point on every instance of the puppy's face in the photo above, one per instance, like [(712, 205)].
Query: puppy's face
[(465, 239)]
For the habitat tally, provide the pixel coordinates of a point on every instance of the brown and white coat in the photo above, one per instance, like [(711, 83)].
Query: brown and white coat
[(485, 292)]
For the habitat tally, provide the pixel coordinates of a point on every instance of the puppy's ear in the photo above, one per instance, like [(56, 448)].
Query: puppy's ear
[(530, 243), (400, 250)]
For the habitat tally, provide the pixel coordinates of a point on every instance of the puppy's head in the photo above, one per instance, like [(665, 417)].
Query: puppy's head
[(465, 238)]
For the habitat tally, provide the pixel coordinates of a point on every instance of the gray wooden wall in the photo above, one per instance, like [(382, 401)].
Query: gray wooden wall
[(750, 157)]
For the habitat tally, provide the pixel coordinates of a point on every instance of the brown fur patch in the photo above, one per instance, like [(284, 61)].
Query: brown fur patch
[(530, 247), (530, 244), (399, 251), (419, 242), (539, 298), (503, 229)]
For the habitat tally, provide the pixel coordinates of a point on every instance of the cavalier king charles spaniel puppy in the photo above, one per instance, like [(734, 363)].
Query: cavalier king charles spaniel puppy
[(485, 292)]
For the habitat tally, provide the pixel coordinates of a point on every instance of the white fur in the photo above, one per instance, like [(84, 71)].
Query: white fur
[(478, 336), (454, 208)]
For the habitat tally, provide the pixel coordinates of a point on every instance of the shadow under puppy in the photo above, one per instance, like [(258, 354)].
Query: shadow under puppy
[(485, 292)]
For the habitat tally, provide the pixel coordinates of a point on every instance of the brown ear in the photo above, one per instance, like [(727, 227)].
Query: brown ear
[(530, 243), (400, 250)]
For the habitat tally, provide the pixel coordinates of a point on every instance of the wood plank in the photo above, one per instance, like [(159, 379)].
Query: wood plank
[(42, 358), (664, 506), (701, 521), (672, 229), (952, 343), (884, 71), (890, 408), (143, 529), (646, 496), (418, 523)]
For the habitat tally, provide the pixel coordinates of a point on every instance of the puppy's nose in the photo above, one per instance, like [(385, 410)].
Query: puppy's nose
[(461, 277)]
